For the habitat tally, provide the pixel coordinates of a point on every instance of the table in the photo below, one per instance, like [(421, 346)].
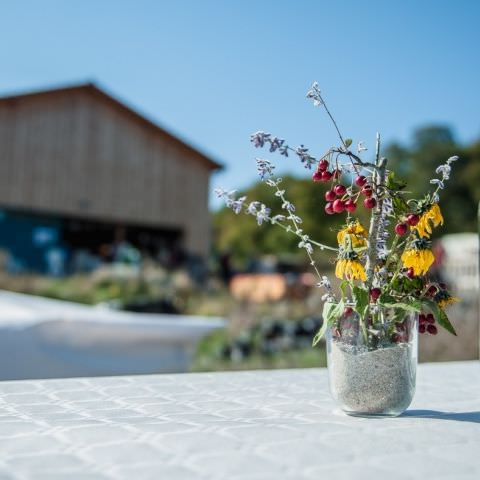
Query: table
[(264, 425)]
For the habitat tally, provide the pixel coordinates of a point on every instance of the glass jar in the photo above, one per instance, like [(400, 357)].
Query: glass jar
[(372, 361)]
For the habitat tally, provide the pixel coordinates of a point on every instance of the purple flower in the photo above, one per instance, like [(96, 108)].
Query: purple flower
[(304, 156), (265, 168), (276, 143), (315, 95), (263, 214), (259, 138)]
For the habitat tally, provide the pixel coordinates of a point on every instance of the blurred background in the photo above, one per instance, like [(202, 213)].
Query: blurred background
[(119, 118)]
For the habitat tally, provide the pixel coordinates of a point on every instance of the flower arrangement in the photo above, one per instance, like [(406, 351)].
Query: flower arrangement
[(382, 265)]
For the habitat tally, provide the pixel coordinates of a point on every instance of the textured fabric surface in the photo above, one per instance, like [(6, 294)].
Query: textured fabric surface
[(265, 425)]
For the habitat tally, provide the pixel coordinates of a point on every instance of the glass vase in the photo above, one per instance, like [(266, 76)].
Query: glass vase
[(372, 361)]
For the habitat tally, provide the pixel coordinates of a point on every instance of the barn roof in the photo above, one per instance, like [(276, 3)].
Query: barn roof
[(101, 95)]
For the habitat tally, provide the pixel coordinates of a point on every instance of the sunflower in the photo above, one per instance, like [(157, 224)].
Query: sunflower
[(444, 299), (418, 256), (355, 232), (429, 219), (349, 267)]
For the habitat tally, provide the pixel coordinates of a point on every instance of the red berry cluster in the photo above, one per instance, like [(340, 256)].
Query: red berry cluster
[(337, 198), (427, 324), (402, 228), (401, 333)]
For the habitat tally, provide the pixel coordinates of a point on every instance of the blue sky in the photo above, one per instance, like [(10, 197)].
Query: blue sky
[(216, 71)]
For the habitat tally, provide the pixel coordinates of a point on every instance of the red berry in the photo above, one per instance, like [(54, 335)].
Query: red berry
[(422, 318), (323, 165), (329, 208), (422, 328), (367, 191), (432, 329), (338, 206), (430, 318), (317, 176), (369, 202), (350, 205), (401, 228), (340, 190), (413, 219), (337, 173), (396, 338), (347, 311), (326, 176), (360, 181), (330, 196), (432, 290), (400, 327), (375, 293), (410, 272)]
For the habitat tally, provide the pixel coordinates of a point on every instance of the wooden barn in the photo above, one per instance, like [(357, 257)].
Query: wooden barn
[(82, 172)]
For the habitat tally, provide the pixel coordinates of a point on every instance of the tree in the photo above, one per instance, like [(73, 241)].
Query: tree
[(416, 163)]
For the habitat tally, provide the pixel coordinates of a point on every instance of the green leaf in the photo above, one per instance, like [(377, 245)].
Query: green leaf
[(400, 206), (439, 315), (413, 306), (394, 184), (443, 321), (331, 311), (361, 300), (385, 298), (348, 142)]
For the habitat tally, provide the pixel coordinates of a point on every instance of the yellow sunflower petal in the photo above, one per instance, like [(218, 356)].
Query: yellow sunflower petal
[(432, 217)]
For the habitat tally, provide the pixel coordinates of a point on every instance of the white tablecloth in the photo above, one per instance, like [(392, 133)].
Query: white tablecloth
[(267, 425)]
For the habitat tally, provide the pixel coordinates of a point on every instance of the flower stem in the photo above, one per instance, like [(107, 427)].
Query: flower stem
[(378, 179)]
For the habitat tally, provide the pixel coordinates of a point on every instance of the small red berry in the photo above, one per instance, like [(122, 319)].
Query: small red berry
[(413, 219), (401, 229), (347, 311), (422, 318), (338, 206), (367, 191), (430, 318), (337, 173), (329, 208), (432, 329), (323, 165), (330, 196), (432, 290), (360, 181), (410, 272), (350, 205), (400, 327), (375, 293), (317, 176), (340, 190), (326, 176), (369, 202), (422, 328)]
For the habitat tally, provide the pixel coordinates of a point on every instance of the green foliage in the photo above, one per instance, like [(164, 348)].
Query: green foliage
[(331, 311), (416, 163), (361, 300), (241, 235), (439, 315)]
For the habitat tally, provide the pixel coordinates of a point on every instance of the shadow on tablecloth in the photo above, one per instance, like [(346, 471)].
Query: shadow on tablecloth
[(473, 417)]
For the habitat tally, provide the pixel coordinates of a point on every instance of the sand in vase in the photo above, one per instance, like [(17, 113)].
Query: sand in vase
[(377, 382)]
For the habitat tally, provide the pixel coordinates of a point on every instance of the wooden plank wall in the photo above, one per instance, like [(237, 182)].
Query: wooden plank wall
[(73, 154)]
